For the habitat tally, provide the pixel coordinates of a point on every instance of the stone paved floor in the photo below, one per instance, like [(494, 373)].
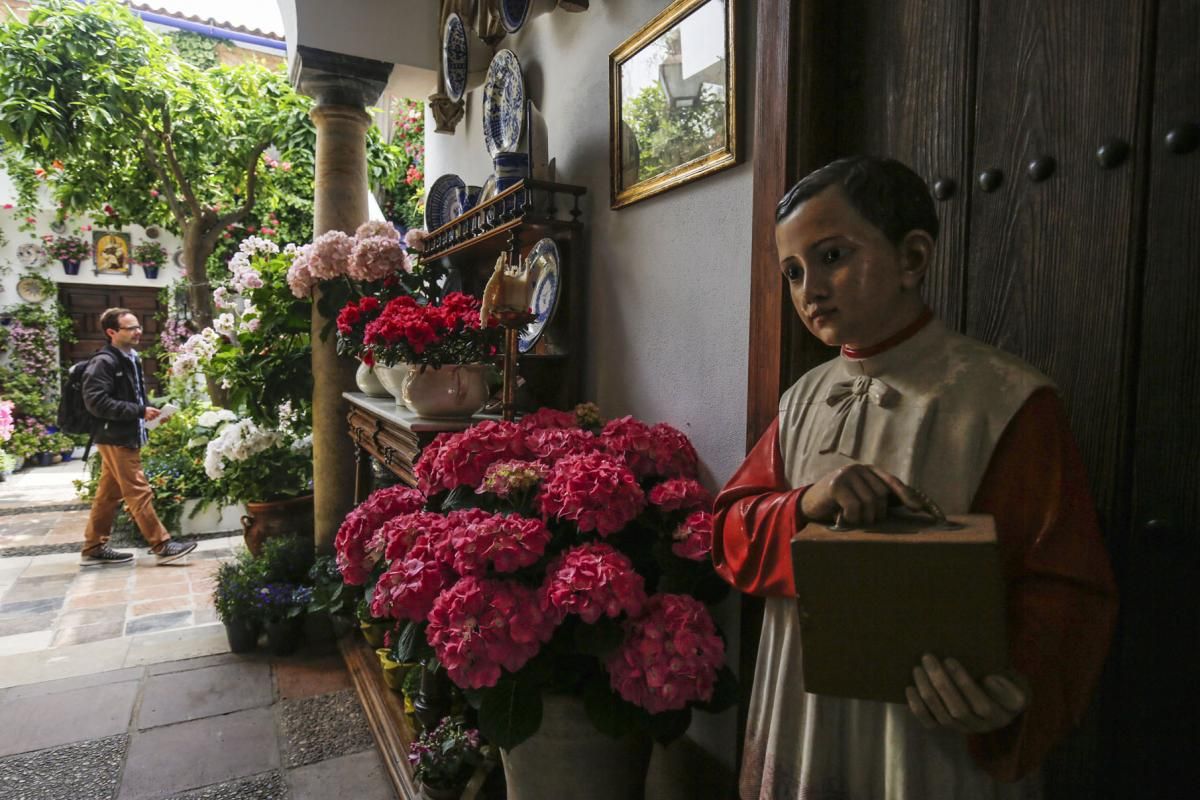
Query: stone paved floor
[(209, 728)]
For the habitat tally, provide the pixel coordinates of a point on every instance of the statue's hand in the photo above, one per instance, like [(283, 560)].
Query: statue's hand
[(860, 492), (945, 695)]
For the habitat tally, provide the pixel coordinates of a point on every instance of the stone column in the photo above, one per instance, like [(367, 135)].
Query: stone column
[(342, 88)]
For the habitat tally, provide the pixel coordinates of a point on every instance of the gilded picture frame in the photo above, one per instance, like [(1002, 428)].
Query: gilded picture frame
[(673, 101), (110, 253)]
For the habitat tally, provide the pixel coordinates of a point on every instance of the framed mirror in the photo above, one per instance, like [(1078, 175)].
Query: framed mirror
[(672, 103)]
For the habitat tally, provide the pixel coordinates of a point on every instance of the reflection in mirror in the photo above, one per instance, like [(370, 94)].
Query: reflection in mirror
[(673, 96)]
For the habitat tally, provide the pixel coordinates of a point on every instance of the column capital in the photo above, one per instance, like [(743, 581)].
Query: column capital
[(335, 79)]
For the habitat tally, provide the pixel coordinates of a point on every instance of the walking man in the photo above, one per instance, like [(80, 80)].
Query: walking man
[(115, 393)]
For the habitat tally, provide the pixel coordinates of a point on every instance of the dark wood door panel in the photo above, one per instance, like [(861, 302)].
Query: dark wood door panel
[(906, 72), (1049, 261), (1157, 726), (85, 304)]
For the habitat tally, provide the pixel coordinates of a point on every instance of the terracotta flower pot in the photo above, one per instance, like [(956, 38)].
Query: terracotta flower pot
[(293, 517)]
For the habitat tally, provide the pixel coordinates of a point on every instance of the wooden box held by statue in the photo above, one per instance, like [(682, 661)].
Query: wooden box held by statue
[(872, 601)]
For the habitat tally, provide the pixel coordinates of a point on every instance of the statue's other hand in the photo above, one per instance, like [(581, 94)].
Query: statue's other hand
[(859, 492)]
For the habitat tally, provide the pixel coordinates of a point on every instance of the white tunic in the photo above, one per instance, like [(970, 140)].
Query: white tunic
[(930, 411)]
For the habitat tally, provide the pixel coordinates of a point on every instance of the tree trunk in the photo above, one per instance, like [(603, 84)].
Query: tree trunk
[(196, 250)]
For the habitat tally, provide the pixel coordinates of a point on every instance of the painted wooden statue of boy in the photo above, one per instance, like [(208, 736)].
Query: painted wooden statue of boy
[(910, 403)]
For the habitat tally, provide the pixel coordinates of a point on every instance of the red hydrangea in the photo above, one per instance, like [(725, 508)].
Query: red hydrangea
[(660, 450), (411, 584), (400, 533), (504, 542), (693, 539), (356, 546), (549, 418), (670, 656), (593, 580), (551, 444), (595, 491), (680, 493), (479, 626), (462, 458)]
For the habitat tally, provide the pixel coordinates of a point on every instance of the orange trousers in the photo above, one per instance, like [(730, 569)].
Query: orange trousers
[(121, 478)]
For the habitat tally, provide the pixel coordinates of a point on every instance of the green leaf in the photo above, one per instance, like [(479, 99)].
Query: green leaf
[(406, 645), (611, 714), (599, 639), (511, 712), (667, 726)]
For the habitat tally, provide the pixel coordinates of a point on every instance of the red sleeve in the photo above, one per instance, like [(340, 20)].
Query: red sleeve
[(756, 516), (1062, 600)]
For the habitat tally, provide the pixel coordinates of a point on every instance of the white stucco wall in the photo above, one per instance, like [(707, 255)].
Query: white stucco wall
[(669, 277)]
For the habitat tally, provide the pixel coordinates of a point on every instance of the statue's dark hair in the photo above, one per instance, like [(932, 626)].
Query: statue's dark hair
[(885, 192)]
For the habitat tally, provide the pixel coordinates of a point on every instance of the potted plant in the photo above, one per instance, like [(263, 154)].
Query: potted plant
[(559, 569), (331, 595), (8, 463), (444, 758), (281, 606), (151, 255), (445, 350), (70, 250), (235, 597), (269, 469)]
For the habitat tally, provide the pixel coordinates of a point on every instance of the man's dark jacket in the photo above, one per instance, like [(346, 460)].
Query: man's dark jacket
[(114, 393)]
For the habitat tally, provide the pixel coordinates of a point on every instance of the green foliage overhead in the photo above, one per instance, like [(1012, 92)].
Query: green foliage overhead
[(199, 51)]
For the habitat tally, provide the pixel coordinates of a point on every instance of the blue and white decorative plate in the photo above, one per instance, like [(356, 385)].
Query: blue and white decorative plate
[(488, 191), (454, 56), (513, 14), (546, 277), (503, 103), (441, 200)]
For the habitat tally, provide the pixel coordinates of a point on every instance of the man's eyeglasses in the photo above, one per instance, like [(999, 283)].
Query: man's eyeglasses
[(131, 327)]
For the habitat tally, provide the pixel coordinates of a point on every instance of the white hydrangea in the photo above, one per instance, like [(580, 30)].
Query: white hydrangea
[(255, 245), (195, 353), (237, 442), (225, 324), (214, 417)]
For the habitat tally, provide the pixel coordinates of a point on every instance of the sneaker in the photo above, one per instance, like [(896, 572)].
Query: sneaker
[(104, 556), (173, 551)]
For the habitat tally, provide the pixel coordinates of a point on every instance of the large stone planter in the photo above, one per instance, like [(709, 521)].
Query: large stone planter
[(212, 518)]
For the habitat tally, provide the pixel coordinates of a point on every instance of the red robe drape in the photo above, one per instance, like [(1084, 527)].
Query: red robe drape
[(1062, 599)]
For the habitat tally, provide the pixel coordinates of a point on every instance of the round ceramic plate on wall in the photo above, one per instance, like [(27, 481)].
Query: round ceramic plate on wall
[(31, 290), (31, 254), (440, 201), (503, 103), (177, 257), (454, 56), (546, 277)]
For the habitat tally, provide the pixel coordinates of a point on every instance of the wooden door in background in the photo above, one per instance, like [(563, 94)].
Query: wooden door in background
[(85, 304)]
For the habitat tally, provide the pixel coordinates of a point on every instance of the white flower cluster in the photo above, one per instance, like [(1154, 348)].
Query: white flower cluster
[(195, 353), (237, 442), (214, 417)]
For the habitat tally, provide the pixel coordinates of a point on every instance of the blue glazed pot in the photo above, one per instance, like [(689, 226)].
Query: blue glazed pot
[(70, 266), (151, 272)]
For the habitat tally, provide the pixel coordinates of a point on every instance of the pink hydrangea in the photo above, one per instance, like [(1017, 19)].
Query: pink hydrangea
[(512, 478), (461, 459), (670, 656), (357, 548), (329, 255), (377, 227), (595, 491), (551, 444), (660, 450), (411, 584), (693, 538), (478, 626), (680, 493), (299, 278), (416, 239), (504, 542), (592, 580), (549, 418), (376, 257), (401, 532)]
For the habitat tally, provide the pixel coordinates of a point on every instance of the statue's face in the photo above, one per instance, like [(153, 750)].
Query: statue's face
[(848, 282)]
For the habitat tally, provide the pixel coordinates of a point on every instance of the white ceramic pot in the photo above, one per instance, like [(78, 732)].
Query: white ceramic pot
[(368, 382), (451, 391), (393, 379)]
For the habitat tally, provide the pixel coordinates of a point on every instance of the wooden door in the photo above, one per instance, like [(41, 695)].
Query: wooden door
[(85, 304)]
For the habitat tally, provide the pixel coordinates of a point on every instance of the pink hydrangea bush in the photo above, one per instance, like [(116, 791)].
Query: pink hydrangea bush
[(595, 491), (593, 580), (356, 557)]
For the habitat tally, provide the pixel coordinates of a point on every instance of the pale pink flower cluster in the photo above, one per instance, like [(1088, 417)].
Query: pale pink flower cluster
[(479, 626), (670, 656), (329, 255), (377, 228), (416, 239), (593, 581), (693, 538), (300, 279), (375, 257), (6, 420), (595, 491), (195, 353), (508, 478)]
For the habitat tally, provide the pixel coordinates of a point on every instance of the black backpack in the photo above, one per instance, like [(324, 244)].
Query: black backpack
[(73, 416)]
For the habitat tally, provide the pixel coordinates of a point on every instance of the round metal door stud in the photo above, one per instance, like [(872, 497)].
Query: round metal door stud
[(990, 179), (1183, 139), (944, 188), (1041, 168), (1112, 153)]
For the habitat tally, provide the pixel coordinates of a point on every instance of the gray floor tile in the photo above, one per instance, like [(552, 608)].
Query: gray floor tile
[(91, 616), (38, 606), (76, 715), (269, 786), (82, 634), (205, 661), (326, 726), (170, 760), (360, 776), (206, 692), (108, 678), (11, 626), (158, 622), (83, 771)]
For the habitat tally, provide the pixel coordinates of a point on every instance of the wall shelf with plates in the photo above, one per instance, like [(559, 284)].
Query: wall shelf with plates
[(536, 220)]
